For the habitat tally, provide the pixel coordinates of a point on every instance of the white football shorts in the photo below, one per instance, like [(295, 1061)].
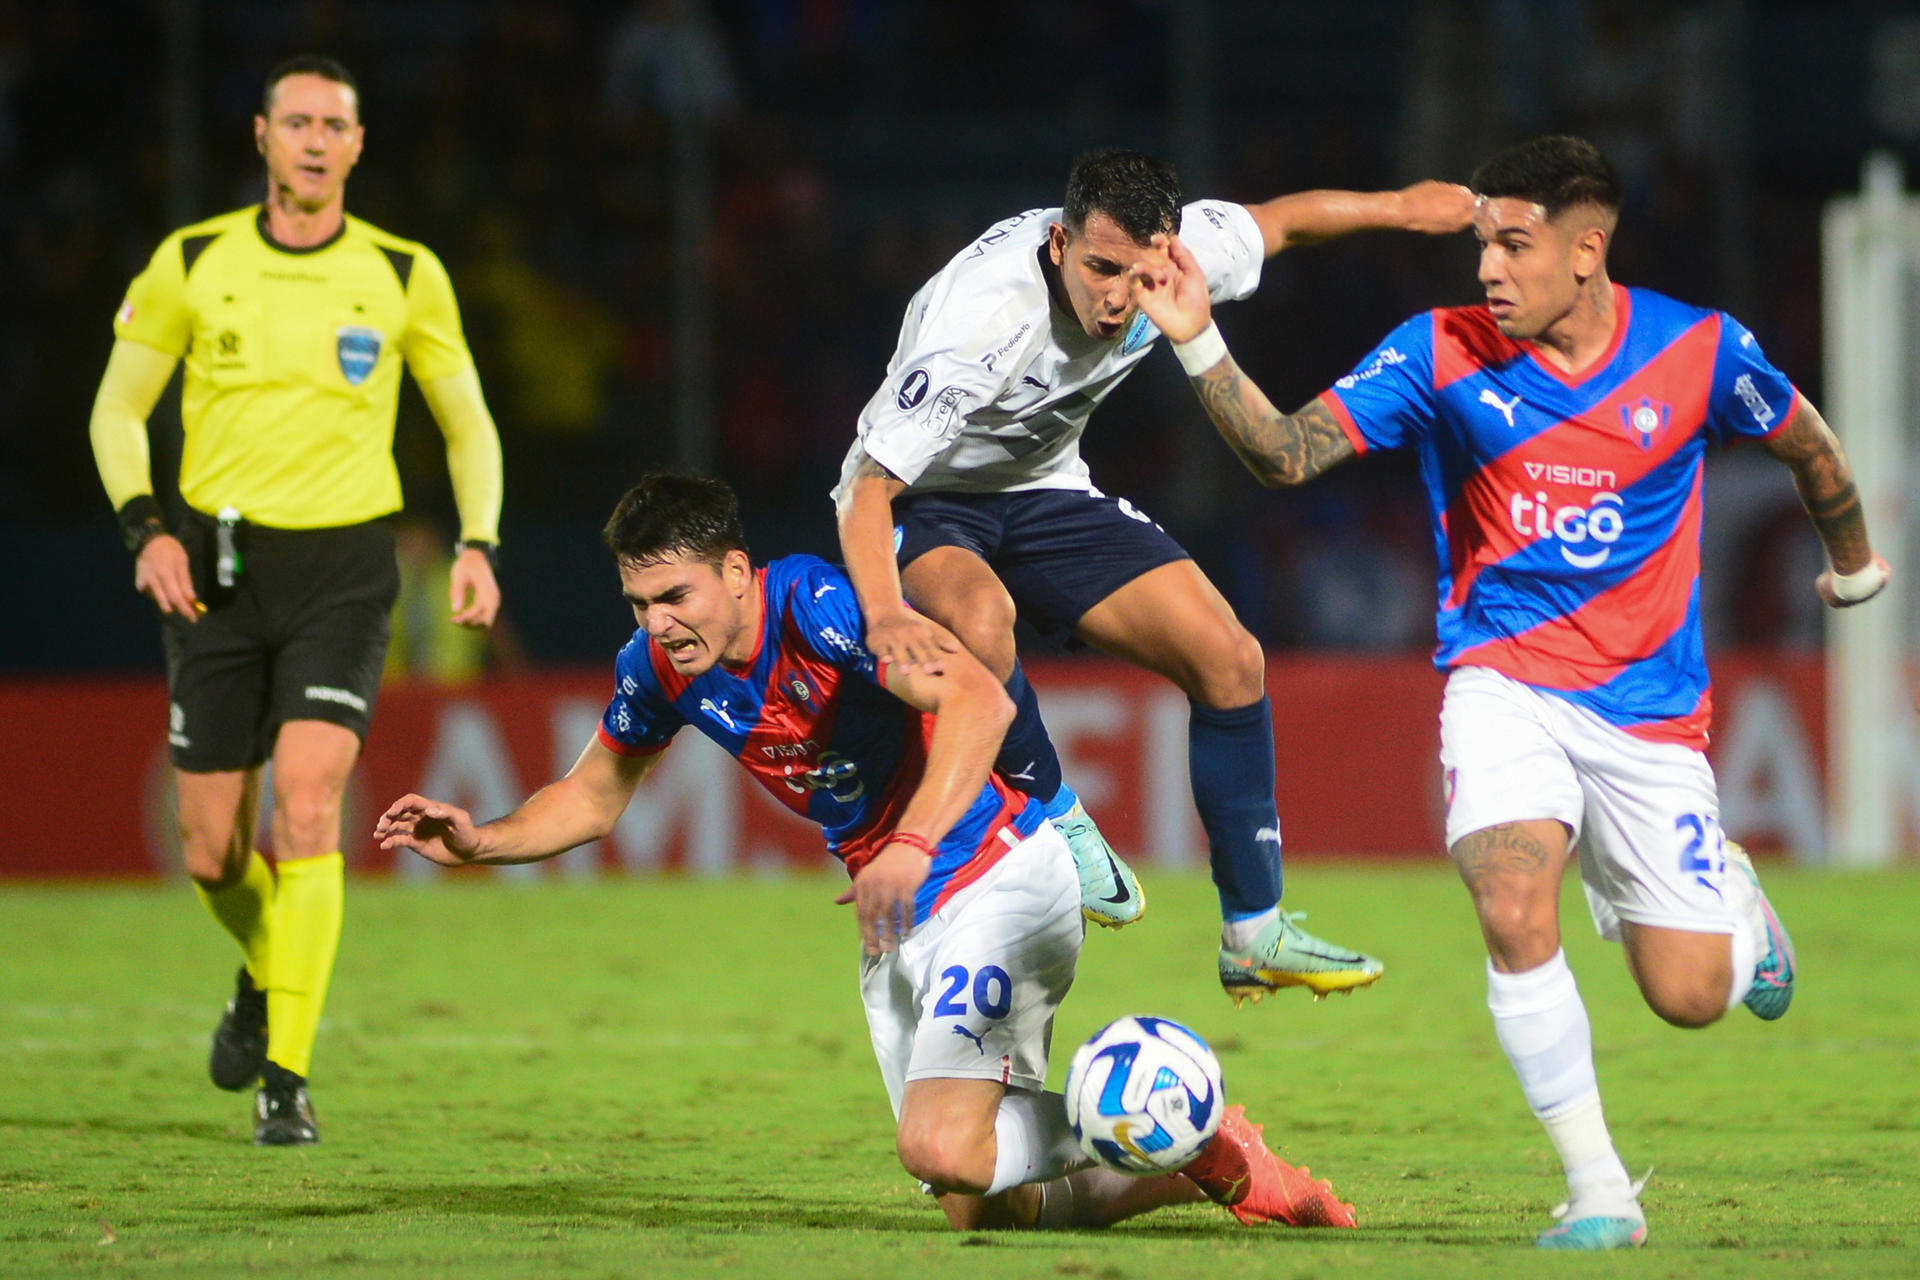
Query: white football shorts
[(1645, 816), (972, 991)]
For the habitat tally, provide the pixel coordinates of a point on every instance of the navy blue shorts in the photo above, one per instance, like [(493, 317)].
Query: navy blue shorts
[(1058, 552)]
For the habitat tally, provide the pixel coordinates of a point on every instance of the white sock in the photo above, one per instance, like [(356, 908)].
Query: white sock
[(1749, 937), (1032, 1140), (1236, 934), (1100, 1197), (1543, 1027), (1745, 957), (1578, 1132)]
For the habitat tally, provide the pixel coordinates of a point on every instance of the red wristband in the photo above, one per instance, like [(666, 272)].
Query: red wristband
[(908, 838)]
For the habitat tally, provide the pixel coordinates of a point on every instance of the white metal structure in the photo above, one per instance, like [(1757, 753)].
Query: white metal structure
[(1872, 322)]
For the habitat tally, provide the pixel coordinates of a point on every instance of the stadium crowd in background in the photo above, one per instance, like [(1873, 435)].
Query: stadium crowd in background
[(850, 148)]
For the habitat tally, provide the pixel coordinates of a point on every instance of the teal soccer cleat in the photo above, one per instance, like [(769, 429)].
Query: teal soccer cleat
[(1285, 955), (1772, 989), (1109, 894), (1620, 1225)]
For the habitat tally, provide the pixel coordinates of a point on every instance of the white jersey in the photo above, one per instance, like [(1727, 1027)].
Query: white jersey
[(992, 384)]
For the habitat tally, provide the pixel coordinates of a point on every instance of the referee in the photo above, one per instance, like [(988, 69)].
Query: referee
[(274, 592)]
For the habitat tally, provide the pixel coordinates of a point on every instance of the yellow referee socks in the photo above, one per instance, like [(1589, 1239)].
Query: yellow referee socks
[(245, 910), (304, 937)]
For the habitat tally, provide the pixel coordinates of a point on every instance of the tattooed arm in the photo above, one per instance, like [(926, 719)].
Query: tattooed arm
[(1280, 449), (1825, 483)]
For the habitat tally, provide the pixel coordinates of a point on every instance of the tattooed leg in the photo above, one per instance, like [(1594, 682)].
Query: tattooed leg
[(1513, 871)]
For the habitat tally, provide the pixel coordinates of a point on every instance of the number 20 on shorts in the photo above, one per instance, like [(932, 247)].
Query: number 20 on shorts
[(992, 992)]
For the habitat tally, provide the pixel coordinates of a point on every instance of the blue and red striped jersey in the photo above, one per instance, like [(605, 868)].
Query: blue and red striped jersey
[(810, 717), (1566, 507)]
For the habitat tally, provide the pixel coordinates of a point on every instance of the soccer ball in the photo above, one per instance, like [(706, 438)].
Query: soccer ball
[(1144, 1095)]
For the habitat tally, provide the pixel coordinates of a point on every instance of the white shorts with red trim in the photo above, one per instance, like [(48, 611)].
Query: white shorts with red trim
[(972, 991), (1645, 816)]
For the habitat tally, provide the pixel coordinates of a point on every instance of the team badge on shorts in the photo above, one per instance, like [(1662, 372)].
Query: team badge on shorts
[(358, 350)]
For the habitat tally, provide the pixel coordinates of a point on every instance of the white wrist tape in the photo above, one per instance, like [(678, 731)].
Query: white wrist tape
[(1858, 585), (1201, 352)]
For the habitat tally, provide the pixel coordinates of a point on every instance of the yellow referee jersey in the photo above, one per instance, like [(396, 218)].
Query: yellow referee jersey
[(293, 362)]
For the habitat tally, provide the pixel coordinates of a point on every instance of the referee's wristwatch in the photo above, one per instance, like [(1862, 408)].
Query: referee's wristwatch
[(141, 521), (491, 550)]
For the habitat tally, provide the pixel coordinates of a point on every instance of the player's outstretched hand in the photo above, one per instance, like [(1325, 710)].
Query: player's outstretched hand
[(882, 896), (439, 832), (909, 641), (1438, 208), (473, 593), (1170, 287), (163, 576), (1844, 590)]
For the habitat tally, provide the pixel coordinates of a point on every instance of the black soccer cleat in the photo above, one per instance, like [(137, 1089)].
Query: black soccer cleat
[(282, 1112), (240, 1041)]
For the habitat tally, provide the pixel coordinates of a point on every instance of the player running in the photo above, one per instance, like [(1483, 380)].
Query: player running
[(1560, 429), (952, 868), (966, 490)]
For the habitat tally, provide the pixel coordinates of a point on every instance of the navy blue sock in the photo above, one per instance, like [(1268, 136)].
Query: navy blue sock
[(1027, 758), (1230, 754)]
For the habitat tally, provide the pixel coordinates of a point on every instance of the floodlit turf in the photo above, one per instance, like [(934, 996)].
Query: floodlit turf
[(671, 1078)]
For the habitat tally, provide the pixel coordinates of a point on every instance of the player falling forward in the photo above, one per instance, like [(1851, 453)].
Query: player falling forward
[(1560, 429), (952, 868), (973, 446), (293, 319)]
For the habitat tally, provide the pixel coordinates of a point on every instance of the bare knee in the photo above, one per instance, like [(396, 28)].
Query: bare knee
[(215, 814), (1685, 977), (306, 821), (213, 852), (983, 621), (945, 1159), (1685, 1002), (1229, 671)]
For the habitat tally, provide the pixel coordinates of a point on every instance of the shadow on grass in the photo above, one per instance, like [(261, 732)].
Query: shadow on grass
[(204, 1130), (614, 1205), (608, 1203)]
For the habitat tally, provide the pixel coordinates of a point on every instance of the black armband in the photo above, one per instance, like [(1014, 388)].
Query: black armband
[(491, 550), (141, 521)]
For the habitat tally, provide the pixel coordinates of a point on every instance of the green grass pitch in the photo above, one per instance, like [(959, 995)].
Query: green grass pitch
[(665, 1078)]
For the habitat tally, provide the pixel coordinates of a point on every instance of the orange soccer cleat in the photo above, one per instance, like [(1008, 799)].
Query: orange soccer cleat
[(1238, 1172)]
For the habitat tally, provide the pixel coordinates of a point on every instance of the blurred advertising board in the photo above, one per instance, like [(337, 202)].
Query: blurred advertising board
[(87, 787)]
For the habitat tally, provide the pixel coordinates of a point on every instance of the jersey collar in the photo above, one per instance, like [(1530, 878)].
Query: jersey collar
[(1622, 317), (266, 236)]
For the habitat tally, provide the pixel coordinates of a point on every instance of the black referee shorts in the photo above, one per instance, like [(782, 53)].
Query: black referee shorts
[(302, 635)]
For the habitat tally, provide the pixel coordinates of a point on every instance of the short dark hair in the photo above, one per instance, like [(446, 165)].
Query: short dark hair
[(668, 514), (1141, 194), (308, 64), (1553, 171)]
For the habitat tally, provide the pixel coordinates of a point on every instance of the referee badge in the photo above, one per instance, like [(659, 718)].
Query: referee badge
[(358, 350)]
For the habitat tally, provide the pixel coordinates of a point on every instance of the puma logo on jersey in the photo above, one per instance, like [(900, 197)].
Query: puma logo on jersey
[(823, 590), (1505, 407), (719, 709)]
